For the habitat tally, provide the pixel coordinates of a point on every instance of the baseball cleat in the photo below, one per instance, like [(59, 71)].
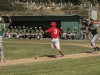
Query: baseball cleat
[(95, 52), (3, 60)]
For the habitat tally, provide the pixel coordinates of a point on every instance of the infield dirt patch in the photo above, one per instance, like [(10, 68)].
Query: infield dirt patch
[(41, 59), (47, 58)]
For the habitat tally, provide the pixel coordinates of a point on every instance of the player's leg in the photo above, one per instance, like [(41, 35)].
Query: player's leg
[(93, 42), (1, 53), (53, 45), (1, 50), (57, 44), (81, 35), (96, 45)]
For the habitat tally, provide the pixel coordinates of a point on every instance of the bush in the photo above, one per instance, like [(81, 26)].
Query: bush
[(75, 7), (65, 8), (19, 7)]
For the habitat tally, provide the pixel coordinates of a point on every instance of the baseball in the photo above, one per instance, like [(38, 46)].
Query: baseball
[(36, 57)]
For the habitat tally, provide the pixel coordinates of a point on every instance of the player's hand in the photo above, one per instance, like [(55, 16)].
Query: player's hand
[(8, 15)]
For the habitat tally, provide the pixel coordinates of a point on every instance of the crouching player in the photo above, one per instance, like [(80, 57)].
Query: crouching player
[(54, 33)]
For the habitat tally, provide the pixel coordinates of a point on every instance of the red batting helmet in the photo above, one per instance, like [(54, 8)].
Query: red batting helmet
[(53, 24)]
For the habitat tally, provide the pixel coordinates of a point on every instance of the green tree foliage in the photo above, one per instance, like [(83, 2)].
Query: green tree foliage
[(19, 7), (9, 5), (14, 0), (94, 2), (6, 5), (66, 1)]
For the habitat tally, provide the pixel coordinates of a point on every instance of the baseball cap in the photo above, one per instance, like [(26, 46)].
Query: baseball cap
[(35, 27), (39, 27), (92, 19), (0, 18)]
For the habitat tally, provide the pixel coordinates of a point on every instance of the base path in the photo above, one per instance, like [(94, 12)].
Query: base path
[(41, 59)]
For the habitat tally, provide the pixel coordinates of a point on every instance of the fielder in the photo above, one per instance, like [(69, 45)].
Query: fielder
[(94, 32), (3, 27), (54, 33)]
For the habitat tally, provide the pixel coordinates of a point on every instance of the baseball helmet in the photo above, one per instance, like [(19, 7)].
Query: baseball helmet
[(53, 24)]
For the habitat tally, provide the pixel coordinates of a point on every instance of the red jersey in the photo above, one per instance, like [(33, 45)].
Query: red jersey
[(54, 32)]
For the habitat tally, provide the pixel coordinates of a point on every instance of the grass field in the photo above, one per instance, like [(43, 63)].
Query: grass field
[(20, 49), (16, 49)]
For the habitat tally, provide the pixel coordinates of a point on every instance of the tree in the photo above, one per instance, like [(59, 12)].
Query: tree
[(14, 0), (6, 5), (94, 2)]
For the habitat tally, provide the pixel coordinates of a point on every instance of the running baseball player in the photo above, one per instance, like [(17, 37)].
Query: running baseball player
[(94, 32), (3, 26), (54, 33)]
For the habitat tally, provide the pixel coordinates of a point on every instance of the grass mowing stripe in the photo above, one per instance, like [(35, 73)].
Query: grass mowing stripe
[(17, 51), (80, 66)]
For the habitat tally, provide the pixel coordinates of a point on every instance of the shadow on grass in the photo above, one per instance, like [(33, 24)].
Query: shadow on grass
[(51, 56), (88, 52)]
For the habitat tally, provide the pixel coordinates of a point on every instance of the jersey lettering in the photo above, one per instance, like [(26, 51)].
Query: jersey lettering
[(55, 31)]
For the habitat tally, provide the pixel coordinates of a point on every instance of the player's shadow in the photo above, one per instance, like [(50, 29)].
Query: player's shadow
[(50, 56), (88, 52)]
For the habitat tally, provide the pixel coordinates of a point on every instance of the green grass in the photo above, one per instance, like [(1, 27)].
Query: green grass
[(79, 66), (18, 49)]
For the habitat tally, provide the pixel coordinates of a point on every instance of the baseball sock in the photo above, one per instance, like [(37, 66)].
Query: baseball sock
[(60, 52), (54, 46), (95, 49), (1, 52)]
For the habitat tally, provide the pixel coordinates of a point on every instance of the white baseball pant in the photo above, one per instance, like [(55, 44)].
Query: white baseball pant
[(55, 42)]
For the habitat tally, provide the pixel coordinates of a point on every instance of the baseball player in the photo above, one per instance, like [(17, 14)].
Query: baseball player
[(54, 33), (94, 32), (3, 26), (41, 33), (83, 32)]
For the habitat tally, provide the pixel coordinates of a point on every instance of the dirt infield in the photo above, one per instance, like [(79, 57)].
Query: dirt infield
[(47, 58)]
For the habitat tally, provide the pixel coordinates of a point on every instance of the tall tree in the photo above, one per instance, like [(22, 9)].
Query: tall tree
[(6, 5)]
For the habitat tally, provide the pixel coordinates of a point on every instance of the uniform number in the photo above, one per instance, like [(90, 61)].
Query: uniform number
[(55, 31)]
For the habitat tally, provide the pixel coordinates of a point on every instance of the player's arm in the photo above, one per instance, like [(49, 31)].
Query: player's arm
[(48, 30), (10, 21), (90, 27), (94, 27), (59, 33)]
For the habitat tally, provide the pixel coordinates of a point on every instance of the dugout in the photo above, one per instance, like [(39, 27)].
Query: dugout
[(64, 21)]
